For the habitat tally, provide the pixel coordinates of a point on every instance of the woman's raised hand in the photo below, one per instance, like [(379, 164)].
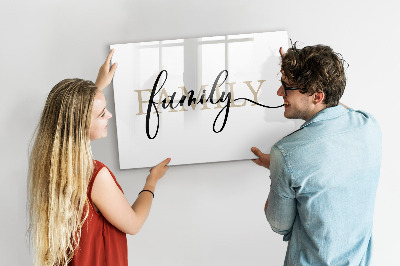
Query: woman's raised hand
[(105, 73)]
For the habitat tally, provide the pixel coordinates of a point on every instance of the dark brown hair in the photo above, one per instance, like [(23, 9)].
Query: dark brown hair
[(316, 69)]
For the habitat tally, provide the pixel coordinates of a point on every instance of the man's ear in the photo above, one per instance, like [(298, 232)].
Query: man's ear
[(318, 97)]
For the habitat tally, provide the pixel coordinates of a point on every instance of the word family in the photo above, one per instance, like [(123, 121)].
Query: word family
[(214, 98)]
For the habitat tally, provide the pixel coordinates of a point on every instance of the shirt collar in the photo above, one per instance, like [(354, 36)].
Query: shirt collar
[(325, 114)]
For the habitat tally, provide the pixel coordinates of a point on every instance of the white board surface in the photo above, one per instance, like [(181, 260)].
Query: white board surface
[(248, 66)]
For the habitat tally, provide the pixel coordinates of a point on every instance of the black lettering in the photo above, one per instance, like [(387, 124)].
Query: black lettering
[(192, 100), (152, 104)]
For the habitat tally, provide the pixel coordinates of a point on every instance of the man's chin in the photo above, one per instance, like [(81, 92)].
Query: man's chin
[(287, 115)]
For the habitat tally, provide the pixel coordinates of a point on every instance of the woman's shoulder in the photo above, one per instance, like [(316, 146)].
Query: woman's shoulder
[(97, 164), (101, 168), (97, 167), (101, 173)]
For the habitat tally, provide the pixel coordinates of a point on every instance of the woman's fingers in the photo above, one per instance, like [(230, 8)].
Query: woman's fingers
[(165, 162), (110, 54), (113, 68)]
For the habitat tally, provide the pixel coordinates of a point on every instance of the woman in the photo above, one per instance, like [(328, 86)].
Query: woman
[(78, 212)]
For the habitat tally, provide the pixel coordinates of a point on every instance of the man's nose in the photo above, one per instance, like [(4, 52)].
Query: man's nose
[(280, 91)]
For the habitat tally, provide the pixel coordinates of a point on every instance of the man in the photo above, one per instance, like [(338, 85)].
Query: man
[(323, 176)]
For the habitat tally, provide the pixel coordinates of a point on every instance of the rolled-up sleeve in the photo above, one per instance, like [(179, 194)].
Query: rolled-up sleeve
[(281, 210)]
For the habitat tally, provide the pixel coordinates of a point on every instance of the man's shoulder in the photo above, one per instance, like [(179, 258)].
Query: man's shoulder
[(365, 116), (323, 129), (293, 141)]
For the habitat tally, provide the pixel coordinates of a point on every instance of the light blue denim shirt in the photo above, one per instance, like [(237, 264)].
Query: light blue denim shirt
[(323, 183)]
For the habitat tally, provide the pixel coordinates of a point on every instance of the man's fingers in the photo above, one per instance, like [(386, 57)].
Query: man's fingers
[(257, 161), (256, 151), (281, 52)]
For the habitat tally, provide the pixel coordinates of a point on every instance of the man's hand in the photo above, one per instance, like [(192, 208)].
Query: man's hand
[(263, 159), (281, 52), (345, 106), (105, 73)]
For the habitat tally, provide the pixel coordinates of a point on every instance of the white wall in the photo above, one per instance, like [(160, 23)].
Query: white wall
[(206, 214)]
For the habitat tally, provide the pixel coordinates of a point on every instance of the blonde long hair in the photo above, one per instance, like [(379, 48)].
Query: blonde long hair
[(60, 167)]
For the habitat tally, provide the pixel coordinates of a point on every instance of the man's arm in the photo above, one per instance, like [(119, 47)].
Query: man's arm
[(262, 160), (280, 208)]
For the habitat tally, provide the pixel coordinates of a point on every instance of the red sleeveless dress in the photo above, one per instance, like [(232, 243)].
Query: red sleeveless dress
[(101, 243)]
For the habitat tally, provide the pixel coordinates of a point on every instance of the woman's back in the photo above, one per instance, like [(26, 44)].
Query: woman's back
[(101, 243), (66, 186)]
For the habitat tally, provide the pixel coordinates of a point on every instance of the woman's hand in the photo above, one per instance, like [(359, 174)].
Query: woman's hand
[(105, 73), (158, 171)]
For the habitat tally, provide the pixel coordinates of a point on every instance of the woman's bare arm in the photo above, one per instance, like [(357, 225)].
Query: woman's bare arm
[(114, 206)]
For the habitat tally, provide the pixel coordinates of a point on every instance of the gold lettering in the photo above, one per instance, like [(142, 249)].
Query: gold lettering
[(140, 99), (255, 94), (233, 96)]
